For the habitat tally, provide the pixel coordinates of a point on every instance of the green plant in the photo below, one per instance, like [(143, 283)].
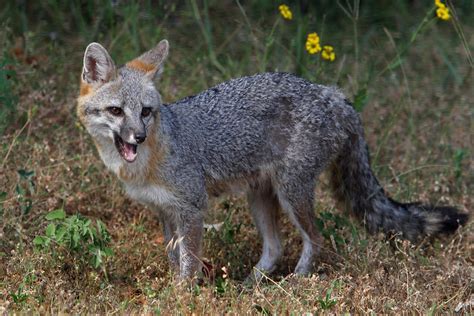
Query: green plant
[(227, 231), (8, 99), (19, 296), (77, 234), (25, 189), (3, 197), (458, 157), (262, 310), (361, 99), (331, 226), (432, 310), (221, 285), (327, 302), (230, 230), (206, 30)]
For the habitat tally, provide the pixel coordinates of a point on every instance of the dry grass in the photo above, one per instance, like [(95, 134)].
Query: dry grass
[(415, 122)]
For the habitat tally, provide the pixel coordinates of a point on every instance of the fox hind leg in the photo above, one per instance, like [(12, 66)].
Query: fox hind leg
[(264, 207), (296, 199)]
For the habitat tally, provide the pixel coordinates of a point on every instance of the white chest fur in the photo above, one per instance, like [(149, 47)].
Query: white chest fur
[(137, 187), (151, 194)]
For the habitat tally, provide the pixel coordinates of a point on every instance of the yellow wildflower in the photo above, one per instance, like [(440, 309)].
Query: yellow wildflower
[(328, 53), (442, 11), (312, 43), (285, 12)]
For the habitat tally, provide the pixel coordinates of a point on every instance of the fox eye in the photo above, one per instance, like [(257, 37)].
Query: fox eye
[(115, 110), (146, 112)]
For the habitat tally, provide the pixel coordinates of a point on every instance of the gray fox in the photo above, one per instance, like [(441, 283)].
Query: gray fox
[(271, 134)]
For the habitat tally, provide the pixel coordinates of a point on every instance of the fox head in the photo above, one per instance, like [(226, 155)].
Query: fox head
[(119, 105)]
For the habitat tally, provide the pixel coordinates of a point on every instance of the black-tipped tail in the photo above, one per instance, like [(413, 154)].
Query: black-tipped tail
[(356, 187), (450, 217)]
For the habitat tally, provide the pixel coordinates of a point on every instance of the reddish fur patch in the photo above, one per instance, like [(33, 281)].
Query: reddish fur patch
[(157, 155), (80, 111), (80, 114), (85, 89), (150, 173), (139, 65)]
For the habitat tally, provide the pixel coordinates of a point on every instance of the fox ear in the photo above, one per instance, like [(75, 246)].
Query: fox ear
[(98, 65), (151, 62)]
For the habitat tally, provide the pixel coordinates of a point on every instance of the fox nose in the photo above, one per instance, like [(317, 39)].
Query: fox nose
[(140, 137)]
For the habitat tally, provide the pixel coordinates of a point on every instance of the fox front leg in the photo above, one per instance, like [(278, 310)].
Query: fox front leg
[(190, 231), (171, 239)]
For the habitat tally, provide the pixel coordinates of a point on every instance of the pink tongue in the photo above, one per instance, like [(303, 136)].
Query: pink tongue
[(129, 152)]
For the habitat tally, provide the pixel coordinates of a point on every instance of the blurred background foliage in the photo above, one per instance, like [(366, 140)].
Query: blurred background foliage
[(230, 33), (214, 40)]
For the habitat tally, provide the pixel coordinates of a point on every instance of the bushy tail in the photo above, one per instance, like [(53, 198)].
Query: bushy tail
[(356, 187)]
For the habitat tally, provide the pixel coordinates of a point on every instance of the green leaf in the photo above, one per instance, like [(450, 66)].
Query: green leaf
[(24, 174), (26, 206), (60, 232), (56, 214), (339, 240), (101, 228), (96, 257), (40, 241), (108, 252), (20, 190), (50, 230), (86, 229), (75, 238), (361, 99), (395, 63)]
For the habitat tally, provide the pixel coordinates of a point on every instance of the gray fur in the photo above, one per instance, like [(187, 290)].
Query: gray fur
[(272, 134), (98, 65)]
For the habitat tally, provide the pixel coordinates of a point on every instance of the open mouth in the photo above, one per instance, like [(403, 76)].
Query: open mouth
[(126, 150)]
